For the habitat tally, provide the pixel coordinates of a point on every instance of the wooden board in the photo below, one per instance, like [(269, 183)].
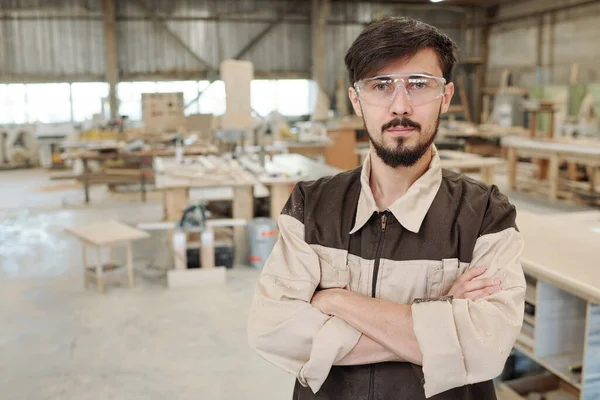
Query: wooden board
[(342, 154), (582, 147), (550, 243), (237, 76), (106, 233), (163, 112)]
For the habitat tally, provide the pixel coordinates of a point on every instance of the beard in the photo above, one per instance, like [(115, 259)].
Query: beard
[(401, 155)]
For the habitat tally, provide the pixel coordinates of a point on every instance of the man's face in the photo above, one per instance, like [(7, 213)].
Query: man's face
[(401, 132)]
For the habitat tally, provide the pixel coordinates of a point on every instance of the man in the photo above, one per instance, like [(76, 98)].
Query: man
[(396, 280)]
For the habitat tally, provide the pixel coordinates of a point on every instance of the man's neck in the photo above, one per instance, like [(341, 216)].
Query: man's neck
[(389, 184)]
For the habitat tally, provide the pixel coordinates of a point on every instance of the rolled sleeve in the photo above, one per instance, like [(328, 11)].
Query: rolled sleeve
[(464, 341), (283, 327), (332, 343)]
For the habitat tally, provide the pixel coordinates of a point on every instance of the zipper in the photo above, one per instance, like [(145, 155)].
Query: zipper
[(383, 223)]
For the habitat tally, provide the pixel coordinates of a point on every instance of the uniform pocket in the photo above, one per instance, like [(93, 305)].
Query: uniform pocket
[(441, 277), (403, 281)]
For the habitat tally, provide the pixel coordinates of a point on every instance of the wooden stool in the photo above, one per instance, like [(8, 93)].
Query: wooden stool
[(101, 235)]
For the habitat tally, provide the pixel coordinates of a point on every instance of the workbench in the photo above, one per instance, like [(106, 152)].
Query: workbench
[(142, 175), (175, 181), (575, 151), (279, 174), (481, 139), (561, 327)]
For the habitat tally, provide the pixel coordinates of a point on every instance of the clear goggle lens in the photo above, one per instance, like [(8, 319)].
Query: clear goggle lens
[(418, 88)]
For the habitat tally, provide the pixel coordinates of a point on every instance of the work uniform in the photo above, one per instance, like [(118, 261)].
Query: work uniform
[(333, 236)]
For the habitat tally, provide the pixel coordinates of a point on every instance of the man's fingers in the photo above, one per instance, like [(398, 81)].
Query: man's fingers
[(472, 273), (480, 294), (478, 284)]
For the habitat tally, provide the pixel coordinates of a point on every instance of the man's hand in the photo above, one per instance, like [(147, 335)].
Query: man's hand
[(467, 287)]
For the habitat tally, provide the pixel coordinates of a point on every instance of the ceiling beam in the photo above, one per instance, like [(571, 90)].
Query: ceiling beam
[(162, 22), (256, 39), (540, 13)]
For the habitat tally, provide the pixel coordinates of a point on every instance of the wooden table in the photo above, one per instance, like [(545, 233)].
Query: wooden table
[(577, 151), (100, 235), (463, 162), (561, 261), (175, 181), (144, 158)]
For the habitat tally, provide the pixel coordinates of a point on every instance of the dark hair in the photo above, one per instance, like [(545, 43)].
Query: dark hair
[(397, 37)]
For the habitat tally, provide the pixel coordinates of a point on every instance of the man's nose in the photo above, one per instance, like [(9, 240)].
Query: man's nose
[(400, 103)]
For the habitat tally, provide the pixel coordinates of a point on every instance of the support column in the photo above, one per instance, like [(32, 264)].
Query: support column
[(111, 61), (320, 14)]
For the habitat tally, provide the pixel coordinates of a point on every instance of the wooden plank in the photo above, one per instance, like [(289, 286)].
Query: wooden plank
[(237, 76), (175, 201), (553, 170), (243, 208), (207, 249), (342, 154), (180, 245), (280, 193), (107, 233), (512, 168)]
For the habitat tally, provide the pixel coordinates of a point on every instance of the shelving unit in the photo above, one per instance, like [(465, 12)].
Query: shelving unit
[(561, 324)]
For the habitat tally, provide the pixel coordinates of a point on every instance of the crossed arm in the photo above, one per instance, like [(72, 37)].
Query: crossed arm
[(306, 332), (386, 327)]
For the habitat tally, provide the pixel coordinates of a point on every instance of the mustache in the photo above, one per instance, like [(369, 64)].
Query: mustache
[(403, 122)]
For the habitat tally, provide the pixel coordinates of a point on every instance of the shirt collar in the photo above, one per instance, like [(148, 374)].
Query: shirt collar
[(411, 208)]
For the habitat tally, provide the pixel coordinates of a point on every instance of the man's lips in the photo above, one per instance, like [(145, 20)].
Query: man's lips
[(400, 131)]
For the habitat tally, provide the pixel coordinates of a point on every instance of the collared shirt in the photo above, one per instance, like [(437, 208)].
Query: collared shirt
[(332, 236), (409, 209)]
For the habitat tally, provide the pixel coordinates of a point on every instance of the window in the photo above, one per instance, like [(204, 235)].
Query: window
[(51, 102), (48, 102), (288, 97), (13, 106), (130, 95), (263, 95), (87, 99), (130, 98), (212, 100), (293, 97)]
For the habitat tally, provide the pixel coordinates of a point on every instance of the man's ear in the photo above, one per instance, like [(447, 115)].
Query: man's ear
[(354, 99), (447, 97)]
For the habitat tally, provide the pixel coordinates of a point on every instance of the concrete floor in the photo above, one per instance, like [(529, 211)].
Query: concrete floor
[(59, 341)]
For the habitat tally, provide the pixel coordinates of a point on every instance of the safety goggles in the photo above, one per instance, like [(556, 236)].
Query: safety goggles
[(418, 88)]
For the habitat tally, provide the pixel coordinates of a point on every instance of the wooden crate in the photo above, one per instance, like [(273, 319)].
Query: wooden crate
[(163, 112)]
